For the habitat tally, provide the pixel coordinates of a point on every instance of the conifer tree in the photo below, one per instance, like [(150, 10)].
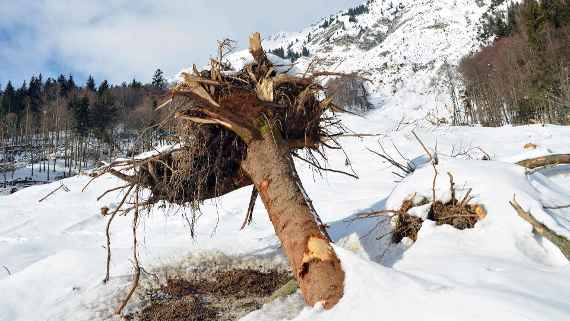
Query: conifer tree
[(158, 80), (8, 99), (90, 85), (80, 109), (103, 87)]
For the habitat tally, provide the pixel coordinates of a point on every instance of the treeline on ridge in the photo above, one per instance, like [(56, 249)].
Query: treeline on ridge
[(523, 76)]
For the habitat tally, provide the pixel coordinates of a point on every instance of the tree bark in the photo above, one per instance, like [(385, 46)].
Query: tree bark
[(560, 241), (545, 161), (315, 264)]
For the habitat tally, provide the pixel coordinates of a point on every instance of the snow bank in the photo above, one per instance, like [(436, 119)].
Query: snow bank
[(54, 249)]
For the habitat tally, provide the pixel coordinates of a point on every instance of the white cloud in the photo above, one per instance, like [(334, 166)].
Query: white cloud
[(121, 39)]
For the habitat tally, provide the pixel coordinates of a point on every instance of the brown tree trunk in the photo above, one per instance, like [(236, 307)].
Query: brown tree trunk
[(315, 264), (543, 161)]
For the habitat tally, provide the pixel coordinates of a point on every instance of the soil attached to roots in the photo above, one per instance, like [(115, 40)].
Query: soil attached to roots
[(223, 295)]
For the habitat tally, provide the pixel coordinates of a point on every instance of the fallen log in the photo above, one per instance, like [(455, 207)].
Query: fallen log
[(560, 241), (550, 160), (243, 128)]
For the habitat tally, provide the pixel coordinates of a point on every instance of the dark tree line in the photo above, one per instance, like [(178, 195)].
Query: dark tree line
[(524, 75), (290, 54), (51, 120)]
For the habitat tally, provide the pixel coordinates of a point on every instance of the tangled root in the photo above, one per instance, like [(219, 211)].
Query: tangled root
[(455, 213)]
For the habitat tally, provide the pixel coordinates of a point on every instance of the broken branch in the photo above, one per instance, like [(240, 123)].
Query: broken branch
[(560, 241)]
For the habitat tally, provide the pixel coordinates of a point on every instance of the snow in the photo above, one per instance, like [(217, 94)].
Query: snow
[(21, 176), (54, 249)]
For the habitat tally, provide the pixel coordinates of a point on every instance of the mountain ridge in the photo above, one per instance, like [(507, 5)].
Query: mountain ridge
[(408, 49)]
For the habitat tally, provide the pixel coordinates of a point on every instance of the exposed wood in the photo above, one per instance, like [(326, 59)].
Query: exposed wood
[(560, 241), (313, 260), (256, 49), (543, 161)]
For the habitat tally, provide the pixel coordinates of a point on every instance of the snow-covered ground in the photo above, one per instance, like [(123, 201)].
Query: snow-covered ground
[(499, 270), (23, 175)]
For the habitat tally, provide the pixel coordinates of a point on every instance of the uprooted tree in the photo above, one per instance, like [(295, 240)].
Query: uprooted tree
[(241, 128)]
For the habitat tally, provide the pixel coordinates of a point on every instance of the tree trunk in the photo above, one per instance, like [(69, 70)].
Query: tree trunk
[(560, 241), (314, 262), (543, 161)]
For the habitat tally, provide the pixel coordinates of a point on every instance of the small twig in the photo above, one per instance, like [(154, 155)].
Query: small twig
[(556, 207), (97, 175), (404, 168), (423, 146), (112, 190), (434, 181), (360, 135), (324, 169), (465, 198), (53, 192), (376, 214), (7, 270), (249, 214)]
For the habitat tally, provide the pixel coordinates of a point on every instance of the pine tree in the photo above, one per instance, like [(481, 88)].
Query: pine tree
[(90, 85), (71, 84), (103, 113), (35, 94), (158, 80), (80, 109), (8, 97), (103, 87), (20, 100), (135, 84), (66, 85), (51, 89), (279, 52)]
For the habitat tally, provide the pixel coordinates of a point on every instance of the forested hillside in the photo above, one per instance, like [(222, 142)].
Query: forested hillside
[(523, 76), (59, 123)]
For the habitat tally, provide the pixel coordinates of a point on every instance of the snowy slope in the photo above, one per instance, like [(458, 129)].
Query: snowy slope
[(408, 48), (499, 270)]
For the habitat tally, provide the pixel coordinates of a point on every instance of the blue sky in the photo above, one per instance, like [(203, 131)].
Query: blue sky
[(121, 39)]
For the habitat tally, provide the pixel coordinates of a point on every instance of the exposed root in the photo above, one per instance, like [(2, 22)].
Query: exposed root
[(406, 225), (457, 213), (219, 114), (108, 231), (136, 264), (217, 111), (249, 214)]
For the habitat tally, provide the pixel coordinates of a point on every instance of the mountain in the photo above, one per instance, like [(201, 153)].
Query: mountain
[(409, 50)]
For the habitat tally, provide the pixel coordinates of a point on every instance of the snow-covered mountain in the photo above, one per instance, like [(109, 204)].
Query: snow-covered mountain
[(408, 49)]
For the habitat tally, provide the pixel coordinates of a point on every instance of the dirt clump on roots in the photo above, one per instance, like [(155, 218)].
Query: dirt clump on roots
[(459, 216), (406, 225), (456, 213), (224, 295)]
